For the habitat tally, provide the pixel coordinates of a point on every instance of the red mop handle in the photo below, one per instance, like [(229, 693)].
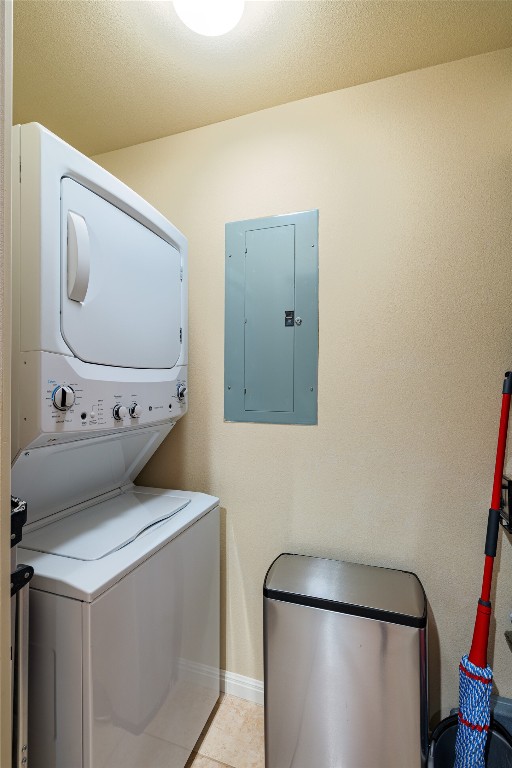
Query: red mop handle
[(478, 653)]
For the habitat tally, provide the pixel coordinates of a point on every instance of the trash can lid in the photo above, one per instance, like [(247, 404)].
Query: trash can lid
[(360, 590)]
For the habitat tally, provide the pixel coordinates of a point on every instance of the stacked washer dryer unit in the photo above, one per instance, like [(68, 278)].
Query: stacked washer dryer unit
[(124, 606)]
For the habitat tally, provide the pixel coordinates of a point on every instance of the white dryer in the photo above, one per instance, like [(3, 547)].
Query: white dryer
[(124, 604)]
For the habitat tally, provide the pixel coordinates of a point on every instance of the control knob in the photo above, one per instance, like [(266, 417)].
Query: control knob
[(182, 391), (135, 410), (120, 412), (63, 398)]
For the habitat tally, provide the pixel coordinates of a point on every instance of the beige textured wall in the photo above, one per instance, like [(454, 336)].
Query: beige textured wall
[(412, 176)]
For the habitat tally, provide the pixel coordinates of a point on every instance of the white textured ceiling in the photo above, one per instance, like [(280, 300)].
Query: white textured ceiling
[(105, 74)]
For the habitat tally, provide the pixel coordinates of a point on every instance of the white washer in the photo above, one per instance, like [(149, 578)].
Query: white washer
[(124, 649), (124, 603)]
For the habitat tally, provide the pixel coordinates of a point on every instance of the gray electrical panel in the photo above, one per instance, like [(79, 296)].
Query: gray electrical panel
[(271, 332)]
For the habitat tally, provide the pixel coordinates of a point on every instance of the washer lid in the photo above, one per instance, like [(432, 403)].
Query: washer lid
[(104, 528), (59, 476)]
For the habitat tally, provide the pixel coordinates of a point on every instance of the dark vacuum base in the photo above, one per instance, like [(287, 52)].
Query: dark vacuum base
[(498, 749)]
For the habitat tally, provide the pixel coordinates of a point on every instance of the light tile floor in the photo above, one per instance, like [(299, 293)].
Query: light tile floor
[(232, 737)]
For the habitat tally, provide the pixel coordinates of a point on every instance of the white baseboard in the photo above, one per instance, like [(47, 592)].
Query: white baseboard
[(242, 687)]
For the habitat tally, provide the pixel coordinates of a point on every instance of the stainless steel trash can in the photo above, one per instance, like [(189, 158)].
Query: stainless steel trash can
[(345, 666)]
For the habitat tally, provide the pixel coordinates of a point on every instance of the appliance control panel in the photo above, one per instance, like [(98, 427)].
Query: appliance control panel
[(75, 402), (74, 405), (70, 405)]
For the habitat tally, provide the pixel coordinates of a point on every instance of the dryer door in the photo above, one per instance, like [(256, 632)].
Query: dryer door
[(120, 285)]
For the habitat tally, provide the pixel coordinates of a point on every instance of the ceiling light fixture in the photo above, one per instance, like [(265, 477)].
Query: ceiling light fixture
[(210, 17)]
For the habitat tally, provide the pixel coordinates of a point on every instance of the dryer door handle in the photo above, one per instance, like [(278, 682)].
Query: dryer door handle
[(79, 257)]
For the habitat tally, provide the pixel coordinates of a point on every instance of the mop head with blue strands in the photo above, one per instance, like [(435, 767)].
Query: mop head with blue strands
[(475, 686)]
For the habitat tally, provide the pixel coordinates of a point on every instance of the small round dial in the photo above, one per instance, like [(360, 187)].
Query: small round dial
[(182, 391), (135, 410), (63, 397), (120, 412)]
